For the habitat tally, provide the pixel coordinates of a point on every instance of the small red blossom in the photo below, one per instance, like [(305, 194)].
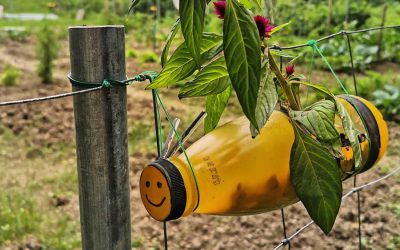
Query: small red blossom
[(264, 29), (219, 8), (289, 70)]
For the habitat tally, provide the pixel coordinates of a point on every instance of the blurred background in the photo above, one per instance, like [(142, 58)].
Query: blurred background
[(38, 180)]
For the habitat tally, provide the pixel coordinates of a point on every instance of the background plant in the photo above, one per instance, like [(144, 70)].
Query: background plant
[(46, 53), (10, 76)]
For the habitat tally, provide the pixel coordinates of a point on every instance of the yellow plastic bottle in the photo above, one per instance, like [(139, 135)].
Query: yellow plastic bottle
[(238, 175)]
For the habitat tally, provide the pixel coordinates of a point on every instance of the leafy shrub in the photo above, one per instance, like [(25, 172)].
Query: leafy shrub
[(149, 57), (131, 53), (46, 53), (14, 33), (388, 101), (370, 83), (10, 76)]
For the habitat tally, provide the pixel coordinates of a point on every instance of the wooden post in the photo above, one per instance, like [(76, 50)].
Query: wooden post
[(98, 53)]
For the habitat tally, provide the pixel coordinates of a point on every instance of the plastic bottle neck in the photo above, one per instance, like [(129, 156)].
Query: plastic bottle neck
[(192, 195)]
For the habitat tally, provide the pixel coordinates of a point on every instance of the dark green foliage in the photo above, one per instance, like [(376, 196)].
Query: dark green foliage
[(388, 101), (46, 53)]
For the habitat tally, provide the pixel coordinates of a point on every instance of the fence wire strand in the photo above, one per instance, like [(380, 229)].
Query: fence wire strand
[(344, 197), (48, 98), (340, 33)]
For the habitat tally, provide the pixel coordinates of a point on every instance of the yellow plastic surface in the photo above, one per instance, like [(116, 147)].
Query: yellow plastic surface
[(383, 128), (239, 175)]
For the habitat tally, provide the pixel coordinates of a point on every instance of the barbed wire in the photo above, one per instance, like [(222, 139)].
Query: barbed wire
[(340, 33), (286, 241)]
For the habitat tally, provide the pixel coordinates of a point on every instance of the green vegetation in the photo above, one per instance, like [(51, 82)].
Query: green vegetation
[(17, 215), (46, 53), (388, 101), (394, 243), (149, 57), (32, 183), (131, 53), (10, 76)]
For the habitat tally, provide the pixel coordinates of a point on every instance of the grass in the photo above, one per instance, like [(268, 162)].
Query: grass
[(38, 6), (28, 185), (17, 216)]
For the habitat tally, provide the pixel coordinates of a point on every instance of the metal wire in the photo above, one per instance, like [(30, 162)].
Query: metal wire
[(340, 33), (47, 98), (353, 70), (344, 197)]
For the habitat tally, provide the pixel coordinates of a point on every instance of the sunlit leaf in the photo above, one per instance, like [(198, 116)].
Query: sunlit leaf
[(243, 56), (316, 178), (251, 3), (321, 89), (192, 14), (279, 27), (181, 64), (212, 79), (170, 38)]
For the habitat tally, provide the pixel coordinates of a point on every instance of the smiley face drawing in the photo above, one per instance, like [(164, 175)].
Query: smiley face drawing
[(162, 190), (155, 193)]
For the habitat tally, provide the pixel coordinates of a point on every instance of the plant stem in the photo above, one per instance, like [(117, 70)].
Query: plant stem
[(285, 86)]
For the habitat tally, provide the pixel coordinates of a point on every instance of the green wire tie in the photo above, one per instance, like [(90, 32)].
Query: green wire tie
[(108, 83)]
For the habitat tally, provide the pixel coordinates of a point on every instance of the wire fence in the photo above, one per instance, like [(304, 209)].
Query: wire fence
[(356, 189), (344, 197)]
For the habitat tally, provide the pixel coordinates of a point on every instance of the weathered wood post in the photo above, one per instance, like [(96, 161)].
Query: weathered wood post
[(98, 53)]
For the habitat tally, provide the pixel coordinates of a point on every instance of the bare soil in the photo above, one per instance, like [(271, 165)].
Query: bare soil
[(52, 122)]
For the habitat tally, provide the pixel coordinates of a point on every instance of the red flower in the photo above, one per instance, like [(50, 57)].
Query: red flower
[(219, 8), (289, 70), (264, 29)]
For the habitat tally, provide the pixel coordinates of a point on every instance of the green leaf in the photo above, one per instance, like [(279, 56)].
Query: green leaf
[(243, 56), (215, 105), (212, 79), (192, 14), (316, 87), (316, 178), (181, 64), (266, 100), (170, 38), (279, 27), (251, 3), (319, 120), (281, 53), (351, 133)]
